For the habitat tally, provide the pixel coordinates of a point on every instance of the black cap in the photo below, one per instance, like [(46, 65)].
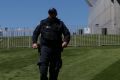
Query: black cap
[(52, 11)]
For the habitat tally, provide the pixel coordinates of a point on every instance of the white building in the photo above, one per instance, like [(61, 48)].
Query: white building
[(86, 30), (1, 32), (104, 17)]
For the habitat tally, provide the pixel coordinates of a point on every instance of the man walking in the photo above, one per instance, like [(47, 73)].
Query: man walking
[(54, 37)]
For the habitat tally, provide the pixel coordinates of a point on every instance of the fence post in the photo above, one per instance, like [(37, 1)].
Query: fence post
[(75, 40), (29, 42), (29, 38), (99, 40), (8, 41)]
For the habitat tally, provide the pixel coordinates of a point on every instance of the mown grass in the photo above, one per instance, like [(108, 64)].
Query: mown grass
[(91, 63)]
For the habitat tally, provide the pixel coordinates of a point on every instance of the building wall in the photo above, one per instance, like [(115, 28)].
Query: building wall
[(104, 16), (1, 32), (117, 17)]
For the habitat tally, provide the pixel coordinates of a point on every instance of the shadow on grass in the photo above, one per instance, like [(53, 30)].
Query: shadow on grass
[(110, 73)]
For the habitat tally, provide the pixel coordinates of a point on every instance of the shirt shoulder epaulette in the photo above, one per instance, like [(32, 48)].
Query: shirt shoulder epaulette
[(43, 21)]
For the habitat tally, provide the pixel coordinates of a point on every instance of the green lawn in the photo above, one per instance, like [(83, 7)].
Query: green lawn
[(91, 63)]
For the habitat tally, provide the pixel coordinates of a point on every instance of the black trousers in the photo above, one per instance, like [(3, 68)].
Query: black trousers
[(50, 60)]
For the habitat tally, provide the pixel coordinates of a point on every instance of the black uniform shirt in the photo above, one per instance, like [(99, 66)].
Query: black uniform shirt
[(63, 30)]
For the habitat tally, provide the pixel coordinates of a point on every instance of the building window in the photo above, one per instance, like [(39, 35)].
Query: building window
[(81, 31), (118, 2), (112, 1), (104, 31), (97, 25)]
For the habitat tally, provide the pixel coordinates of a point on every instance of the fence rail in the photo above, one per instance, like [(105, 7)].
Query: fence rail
[(23, 38), (95, 40)]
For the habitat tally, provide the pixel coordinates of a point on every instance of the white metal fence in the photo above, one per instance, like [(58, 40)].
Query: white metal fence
[(23, 38), (15, 37)]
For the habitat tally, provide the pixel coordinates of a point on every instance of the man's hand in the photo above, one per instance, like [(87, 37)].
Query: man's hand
[(64, 44), (34, 45)]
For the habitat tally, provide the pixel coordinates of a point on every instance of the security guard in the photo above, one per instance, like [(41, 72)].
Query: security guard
[(52, 30)]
